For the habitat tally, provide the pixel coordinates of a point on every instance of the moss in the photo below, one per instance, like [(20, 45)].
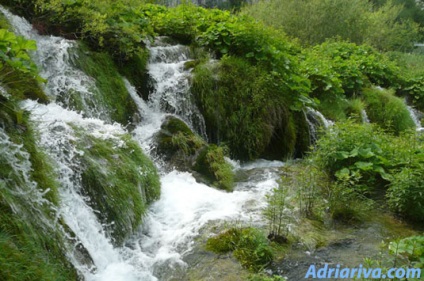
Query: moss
[(249, 246), (112, 93), (244, 108), (135, 70), (121, 181), (174, 137), (211, 163), (388, 111), (31, 248)]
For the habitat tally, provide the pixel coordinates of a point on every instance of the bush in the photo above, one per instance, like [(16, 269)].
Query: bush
[(388, 111), (406, 193), (335, 67)]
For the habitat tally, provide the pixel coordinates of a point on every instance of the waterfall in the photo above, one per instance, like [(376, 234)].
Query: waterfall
[(185, 207), (66, 85), (414, 116), (315, 121), (364, 116), (171, 85)]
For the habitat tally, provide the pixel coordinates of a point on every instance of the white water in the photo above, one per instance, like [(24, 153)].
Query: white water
[(364, 116), (54, 63), (316, 120), (171, 84), (185, 206), (414, 117)]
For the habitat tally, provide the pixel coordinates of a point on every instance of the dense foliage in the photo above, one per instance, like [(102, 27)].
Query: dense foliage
[(314, 21), (368, 160)]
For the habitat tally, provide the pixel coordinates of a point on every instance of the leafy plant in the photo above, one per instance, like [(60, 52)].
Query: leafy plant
[(14, 55)]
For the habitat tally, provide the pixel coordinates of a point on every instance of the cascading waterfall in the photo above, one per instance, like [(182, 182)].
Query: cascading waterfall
[(170, 80), (64, 81), (316, 120), (414, 116), (185, 206), (364, 116)]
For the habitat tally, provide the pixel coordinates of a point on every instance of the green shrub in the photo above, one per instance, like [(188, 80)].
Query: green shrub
[(337, 67), (388, 111), (249, 246), (412, 247), (354, 153), (406, 193)]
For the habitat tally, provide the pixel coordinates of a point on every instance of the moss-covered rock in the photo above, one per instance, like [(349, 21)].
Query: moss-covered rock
[(120, 180), (111, 92), (245, 107), (211, 163), (177, 144), (186, 151)]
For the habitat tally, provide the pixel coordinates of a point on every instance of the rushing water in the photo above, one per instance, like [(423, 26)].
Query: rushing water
[(185, 206), (414, 116), (316, 120)]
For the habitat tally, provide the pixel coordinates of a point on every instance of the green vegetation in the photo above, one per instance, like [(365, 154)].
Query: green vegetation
[(249, 246), (111, 94), (388, 111), (255, 119), (212, 164), (31, 246), (120, 180), (370, 161), (315, 21)]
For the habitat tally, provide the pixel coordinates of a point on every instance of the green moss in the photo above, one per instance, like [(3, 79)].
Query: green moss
[(112, 93), (211, 163), (121, 181), (245, 108), (249, 246), (31, 248), (135, 70), (388, 111), (175, 136)]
